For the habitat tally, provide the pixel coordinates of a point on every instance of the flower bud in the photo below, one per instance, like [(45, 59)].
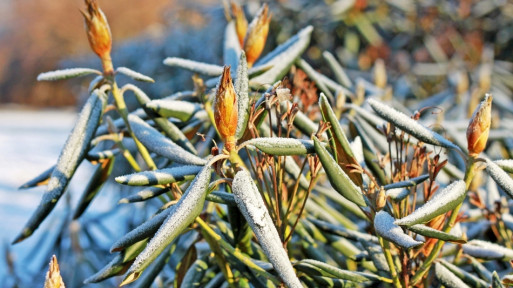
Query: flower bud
[(225, 109), (479, 127), (98, 33), (257, 35), (241, 23)]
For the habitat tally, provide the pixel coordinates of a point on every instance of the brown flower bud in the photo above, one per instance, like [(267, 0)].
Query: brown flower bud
[(241, 23), (257, 35), (53, 276), (226, 109), (98, 33), (479, 127), (381, 199)]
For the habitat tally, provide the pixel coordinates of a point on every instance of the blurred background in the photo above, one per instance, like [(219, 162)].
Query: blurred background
[(432, 50)]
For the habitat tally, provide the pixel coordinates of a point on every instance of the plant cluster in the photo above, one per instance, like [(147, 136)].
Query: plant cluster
[(271, 174)]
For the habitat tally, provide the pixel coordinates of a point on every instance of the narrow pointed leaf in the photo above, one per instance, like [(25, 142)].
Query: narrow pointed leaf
[(170, 129), (283, 57), (100, 176), (66, 74), (160, 177), (447, 278), (154, 270), (134, 75), (180, 217), (252, 206), (102, 155), (71, 156), (409, 125), (433, 233), (41, 179), (194, 66), (338, 71), (158, 143), (506, 165), (500, 176), (181, 110), (241, 87), (385, 227), (397, 194), (148, 193), (282, 146), (468, 278), (337, 177), (487, 250), (496, 280), (407, 183), (345, 155), (231, 46), (352, 276), (480, 269), (222, 197), (442, 202)]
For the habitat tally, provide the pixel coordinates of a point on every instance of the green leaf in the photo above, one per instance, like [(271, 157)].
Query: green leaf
[(154, 270), (101, 155), (158, 143), (241, 87), (134, 75), (407, 183), (160, 177), (447, 278), (496, 280), (385, 227), (41, 179), (344, 154), (337, 177), (143, 195), (71, 156), (334, 272), (468, 278), (500, 177), (433, 233), (194, 66), (442, 202), (99, 177), (189, 260), (487, 250), (181, 110), (282, 57), (506, 165), (282, 146), (66, 74), (338, 71), (221, 197), (180, 217)]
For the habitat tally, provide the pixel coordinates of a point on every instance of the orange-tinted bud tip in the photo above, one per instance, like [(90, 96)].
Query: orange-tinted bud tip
[(53, 276), (241, 23), (225, 109), (98, 32), (257, 35), (479, 127)]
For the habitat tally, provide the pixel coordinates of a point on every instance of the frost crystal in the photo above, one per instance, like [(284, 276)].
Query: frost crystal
[(66, 73), (448, 278), (385, 227), (252, 206), (500, 176), (439, 204), (282, 146), (162, 176)]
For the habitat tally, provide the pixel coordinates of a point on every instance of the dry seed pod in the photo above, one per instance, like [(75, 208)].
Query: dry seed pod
[(257, 35), (225, 109), (479, 127), (98, 33), (53, 276), (241, 23)]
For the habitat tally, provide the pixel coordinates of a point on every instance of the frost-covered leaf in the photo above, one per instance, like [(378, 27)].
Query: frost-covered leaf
[(134, 75), (338, 71), (71, 156), (334, 272), (241, 87), (487, 250), (500, 176), (409, 125), (145, 194), (252, 206), (385, 227), (282, 146), (344, 155), (407, 183), (467, 277), (41, 179), (158, 143), (282, 57), (194, 66), (181, 110), (66, 74), (337, 177), (506, 165), (94, 155), (397, 194), (496, 280), (433, 233), (160, 177), (442, 202), (231, 46), (447, 278), (180, 216)]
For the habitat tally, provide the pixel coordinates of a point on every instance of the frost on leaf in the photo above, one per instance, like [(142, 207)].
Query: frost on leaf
[(194, 66), (448, 278), (409, 125), (160, 177), (158, 143), (385, 227), (134, 75), (282, 146), (442, 202), (487, 250), (500, 176), (66, 73)]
